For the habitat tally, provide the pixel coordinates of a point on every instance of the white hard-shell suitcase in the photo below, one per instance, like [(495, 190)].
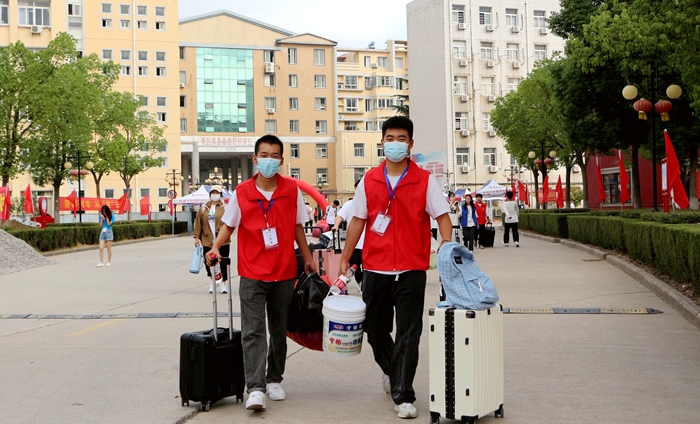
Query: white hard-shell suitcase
[(465, 363)]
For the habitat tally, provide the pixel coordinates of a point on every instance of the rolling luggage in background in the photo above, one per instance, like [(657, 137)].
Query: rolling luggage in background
[(455, 233), (487, 238), (211, 361), (465, 363), (329, 258)]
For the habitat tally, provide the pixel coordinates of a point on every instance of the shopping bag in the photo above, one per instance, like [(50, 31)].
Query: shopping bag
[(197, 260), (306, 310)]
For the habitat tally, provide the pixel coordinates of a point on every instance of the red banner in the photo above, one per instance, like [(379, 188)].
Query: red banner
[(551, 196), (88, 203), (5, 203)]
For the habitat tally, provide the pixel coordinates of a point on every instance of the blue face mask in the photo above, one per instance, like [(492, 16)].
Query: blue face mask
[(268, 167), (395, 151)]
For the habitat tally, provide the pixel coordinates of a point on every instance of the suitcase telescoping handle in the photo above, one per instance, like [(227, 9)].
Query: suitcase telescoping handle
[(227, 262)]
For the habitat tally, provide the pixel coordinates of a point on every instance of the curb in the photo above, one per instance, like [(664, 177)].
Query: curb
[(598, 253), (119, 243), (540, 237)]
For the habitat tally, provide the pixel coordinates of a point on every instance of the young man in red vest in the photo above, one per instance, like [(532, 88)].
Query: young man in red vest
[(482, 217), (269, 212), (395, 202)]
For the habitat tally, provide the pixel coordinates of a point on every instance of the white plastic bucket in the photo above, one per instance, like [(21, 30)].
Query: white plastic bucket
[(343, 318)]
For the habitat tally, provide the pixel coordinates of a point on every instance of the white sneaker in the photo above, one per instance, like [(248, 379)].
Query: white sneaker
[(223, 288), (100, 264), (516, 245), (406, 410), (275, 392), (108, 264), (256, 401), (505, 244), (211, 289), (218, 282), (386, 384)]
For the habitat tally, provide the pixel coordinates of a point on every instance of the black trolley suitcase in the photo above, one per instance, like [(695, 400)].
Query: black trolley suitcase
[(487, 238), (211, 362)]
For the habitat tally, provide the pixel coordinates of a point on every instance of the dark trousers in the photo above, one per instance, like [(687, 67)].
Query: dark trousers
[(480, 233), (397, 358), (225, 250), (308, 226), (356, 259), (514, 227), (468, 233), (434, 232)]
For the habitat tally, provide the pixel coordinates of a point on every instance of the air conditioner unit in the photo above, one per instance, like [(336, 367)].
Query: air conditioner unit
[(37, 29), (489, 28), (269, 67), (466, 169), (465, 133), (464, 98), (270, 110), (515, 29), (516, 65), (182, 85), (490, 63), (492, 133), (462, 26), (374, 65), (463, 62), (493, 169), (491, 99), (543, 31), (576, 169), (341, 117), (340, 86)]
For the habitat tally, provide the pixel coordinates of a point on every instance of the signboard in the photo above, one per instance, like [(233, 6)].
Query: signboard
[(172, 194), (433, 162), (664, 176), (551, 196), (88, 203), (226, 141)]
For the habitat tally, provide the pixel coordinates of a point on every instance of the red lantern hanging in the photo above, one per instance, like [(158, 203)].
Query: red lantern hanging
[(642, 106), (538, 161), (663, 107), (548, 161)]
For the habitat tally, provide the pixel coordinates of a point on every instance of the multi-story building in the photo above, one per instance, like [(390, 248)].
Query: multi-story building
[(465, 54), (371, 84)]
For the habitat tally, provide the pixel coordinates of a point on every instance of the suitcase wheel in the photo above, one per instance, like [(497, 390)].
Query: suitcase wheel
[(185, 402), (205, 406), (435, 420), (239, 397), (499, 412)]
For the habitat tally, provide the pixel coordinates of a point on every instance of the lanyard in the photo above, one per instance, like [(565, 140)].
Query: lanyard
[(388, 186), (265, 211)]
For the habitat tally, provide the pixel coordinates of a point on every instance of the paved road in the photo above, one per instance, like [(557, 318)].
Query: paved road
[(558, 368)]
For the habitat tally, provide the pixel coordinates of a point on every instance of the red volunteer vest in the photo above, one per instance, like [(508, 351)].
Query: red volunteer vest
[(480, 213), (406, 242), (254, 261)]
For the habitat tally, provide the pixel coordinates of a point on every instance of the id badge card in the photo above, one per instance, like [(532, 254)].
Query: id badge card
[(381, 223), (270, 238)]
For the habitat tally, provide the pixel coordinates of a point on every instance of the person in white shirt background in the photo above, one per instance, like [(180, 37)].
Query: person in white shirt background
[(310, 214), (345, 214), (332, 212), (510, 219)]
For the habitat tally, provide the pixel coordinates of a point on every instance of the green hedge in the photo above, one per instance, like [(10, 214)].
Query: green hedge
[(539, 211), (61, 236), (551, 224), (680, 217)]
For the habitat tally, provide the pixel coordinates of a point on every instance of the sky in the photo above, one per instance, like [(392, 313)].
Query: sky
[(353, 23)]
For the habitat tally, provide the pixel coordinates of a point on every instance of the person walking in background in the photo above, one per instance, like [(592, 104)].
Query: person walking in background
[(332, 212), (310, 214), (345, 214), (106, 235), (482, 215), (454, 215), (207, 225), (510, 219), (469, 221)]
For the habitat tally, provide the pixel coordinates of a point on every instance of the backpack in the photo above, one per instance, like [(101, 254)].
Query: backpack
[(465, 285)]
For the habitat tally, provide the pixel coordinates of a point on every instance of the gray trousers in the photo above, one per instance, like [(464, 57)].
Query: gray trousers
[(257, 297)]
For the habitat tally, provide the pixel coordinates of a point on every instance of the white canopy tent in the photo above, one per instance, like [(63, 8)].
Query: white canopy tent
[(492, 191), (197, 198)]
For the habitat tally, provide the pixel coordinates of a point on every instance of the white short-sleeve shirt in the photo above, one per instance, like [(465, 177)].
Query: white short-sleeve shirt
[(346, 213), (232, 216)]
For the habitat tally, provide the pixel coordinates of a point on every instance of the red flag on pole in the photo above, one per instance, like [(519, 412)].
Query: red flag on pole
[(624, 181), (5, 203), (123, 203), (28, 202), (673, 174), (73, 198), (170, 205), (545, 189), (560, 194), (145, 204), (523, 192), (601, 188)]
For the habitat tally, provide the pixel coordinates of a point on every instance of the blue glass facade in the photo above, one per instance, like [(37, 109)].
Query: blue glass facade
[(225, 90)]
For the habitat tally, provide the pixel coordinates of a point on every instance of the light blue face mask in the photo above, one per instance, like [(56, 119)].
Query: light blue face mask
[(268, 167), (395, 151)]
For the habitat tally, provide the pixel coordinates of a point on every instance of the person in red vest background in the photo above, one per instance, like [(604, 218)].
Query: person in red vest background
[(269, 212), (482, 217), (395, 202)]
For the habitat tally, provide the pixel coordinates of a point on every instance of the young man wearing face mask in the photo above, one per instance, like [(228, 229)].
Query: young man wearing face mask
[(395, 203), (269, 212), (207, 226)]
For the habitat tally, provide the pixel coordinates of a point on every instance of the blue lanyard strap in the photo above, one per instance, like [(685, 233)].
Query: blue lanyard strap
[(388, 185), (265, 211)]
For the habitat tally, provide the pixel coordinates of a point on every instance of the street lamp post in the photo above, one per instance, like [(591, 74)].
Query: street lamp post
[(542, 164), (173, 177), (78, 158), (216, 180)]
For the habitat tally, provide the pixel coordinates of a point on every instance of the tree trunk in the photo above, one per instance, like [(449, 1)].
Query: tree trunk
[(56, 201), (544, 176), (692, 195), (5, 181), (584, 178), (128, 198), (97, 183), (636, 188), (568, 186), (536, 175)]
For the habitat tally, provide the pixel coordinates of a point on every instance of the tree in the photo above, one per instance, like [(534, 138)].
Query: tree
[(402, 109)]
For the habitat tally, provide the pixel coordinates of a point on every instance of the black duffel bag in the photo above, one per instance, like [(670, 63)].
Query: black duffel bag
[(306, 310)]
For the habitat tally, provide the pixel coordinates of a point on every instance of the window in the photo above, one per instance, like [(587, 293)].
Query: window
[(512, 17), (161, 117), (106, 7), (125, 9), (143, 55), (142, 71), (351, 82), (319, 57), (368, 105), (320, 127), (512, 51), (35, 13), (459, 48), (73, 9), (160, 11), (383, 62), (183, 101), (183, 124), (540, 19), (487, 86), (183, 77), (486, 50), (269, 80), (485, 16), (385, 81), (162, 192), (359, 150), (293, 103), (320, 81), (321, 149), (489, 156), (540, 52), (293, 81), (107, 54), (368, 61), (461, 121), (460, 85), (294, 126), (457, 14), (143, 100), (124, 23), (486, 121), (125, 71), (109, 193), (182, 53), (106, 23), (295, 173), (351, 126), (513, 161), (126, 55), (320, 103), (398, 63), (358, 173), (292, 56), (160, 26), (145, 192), (294, 149), (321, 175), (268, 56), (160, 56), (513, 84), (142, 10), (384, 103), (462, 156), (270, 102), (351, 105), (369, 126), (160, 71), (161, 101), (611, 183), (270, 126)]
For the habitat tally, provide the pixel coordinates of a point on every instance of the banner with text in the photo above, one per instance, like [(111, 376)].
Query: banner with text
[(88, 204)]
